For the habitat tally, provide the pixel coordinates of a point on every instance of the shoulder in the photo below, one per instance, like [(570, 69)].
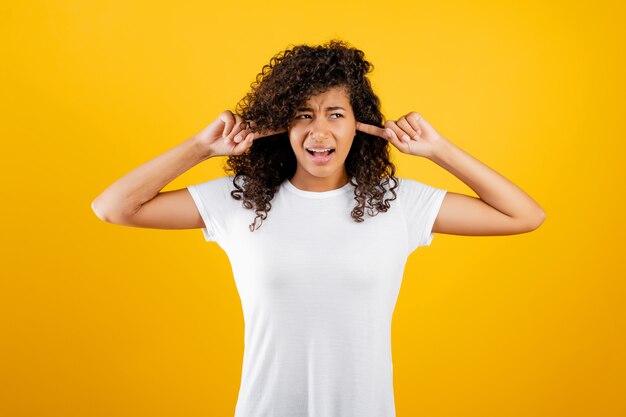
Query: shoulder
[(223, 182), (409, 184), (220, 186), (403, 185), (413, 192)]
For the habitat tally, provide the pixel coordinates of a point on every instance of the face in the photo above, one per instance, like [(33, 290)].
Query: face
[(325, 121)]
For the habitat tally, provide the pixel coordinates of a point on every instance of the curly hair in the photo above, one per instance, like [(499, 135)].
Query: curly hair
[(291, 78)]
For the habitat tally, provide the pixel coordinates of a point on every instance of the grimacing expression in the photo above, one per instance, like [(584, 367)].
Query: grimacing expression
[(323, 121)]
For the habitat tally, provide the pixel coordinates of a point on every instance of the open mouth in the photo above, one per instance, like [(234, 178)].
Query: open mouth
[(320, 153), (321, 157)]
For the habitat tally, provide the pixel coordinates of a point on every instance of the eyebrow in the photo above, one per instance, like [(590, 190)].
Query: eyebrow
[(327, 108)]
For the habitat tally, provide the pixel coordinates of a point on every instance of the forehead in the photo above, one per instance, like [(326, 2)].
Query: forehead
[(332, 95)]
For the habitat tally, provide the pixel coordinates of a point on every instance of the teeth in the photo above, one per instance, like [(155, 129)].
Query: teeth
[(319, 150)]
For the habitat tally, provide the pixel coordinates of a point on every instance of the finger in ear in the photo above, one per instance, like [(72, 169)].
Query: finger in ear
[(392, 135)]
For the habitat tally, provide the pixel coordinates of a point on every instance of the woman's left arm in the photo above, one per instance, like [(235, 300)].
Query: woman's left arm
[(502, 207)]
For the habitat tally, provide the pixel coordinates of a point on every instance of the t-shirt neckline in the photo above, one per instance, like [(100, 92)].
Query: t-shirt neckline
[(317, 194)]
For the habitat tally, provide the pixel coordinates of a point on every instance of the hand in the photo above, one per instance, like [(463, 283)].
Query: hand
[(420, 139), (229, 134)]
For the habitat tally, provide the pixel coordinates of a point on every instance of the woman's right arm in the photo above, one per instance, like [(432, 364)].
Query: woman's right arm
[(136, 198)]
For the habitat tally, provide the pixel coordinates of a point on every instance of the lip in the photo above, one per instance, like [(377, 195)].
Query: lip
[(320, 160), (319, 147)]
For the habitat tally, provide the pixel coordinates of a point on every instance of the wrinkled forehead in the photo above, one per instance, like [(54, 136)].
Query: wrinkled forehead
[(337, 95)]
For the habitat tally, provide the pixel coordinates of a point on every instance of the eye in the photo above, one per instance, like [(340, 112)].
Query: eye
[(304, 116)]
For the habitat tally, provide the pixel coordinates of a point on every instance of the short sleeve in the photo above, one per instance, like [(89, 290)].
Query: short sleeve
[(420, 205), (213, 201)]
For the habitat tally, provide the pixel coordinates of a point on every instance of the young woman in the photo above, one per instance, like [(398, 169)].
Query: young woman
[(316, 226)]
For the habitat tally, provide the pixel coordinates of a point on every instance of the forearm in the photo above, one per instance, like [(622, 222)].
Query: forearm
[(126, 195), (489, 185)]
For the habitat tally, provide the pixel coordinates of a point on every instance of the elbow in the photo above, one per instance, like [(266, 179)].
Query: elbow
[(102, 213), (529, 222), (111, 213), (99, 212), (537, 221)]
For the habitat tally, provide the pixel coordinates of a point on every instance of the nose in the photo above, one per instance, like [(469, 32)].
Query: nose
[(319, 128)]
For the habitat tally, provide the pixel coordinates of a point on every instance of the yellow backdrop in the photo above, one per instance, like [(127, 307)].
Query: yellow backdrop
[(103, 320)]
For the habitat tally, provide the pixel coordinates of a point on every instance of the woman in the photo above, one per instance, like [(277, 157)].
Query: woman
[(319, 280)]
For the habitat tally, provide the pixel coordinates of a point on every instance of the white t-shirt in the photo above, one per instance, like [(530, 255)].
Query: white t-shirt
[(318, 291)]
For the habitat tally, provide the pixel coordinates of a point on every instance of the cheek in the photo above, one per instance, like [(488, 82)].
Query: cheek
[(347, 146), (296, 144), (348, 134), (297, 139), (348, 128)]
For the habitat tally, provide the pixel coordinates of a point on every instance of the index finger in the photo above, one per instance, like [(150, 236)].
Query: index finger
[(261, 134), (257, 135), (372, 130)]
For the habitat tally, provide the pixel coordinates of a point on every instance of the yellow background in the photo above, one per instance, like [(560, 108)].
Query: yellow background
[(105, 320)]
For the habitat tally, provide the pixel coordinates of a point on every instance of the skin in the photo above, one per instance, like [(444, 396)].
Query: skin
[(325, 120), (501, 208)]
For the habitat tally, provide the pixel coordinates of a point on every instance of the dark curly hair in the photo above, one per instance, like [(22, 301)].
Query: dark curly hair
[(291, 78)]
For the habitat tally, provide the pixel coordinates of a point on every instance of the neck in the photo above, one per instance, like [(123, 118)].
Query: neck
[(319, 184)]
